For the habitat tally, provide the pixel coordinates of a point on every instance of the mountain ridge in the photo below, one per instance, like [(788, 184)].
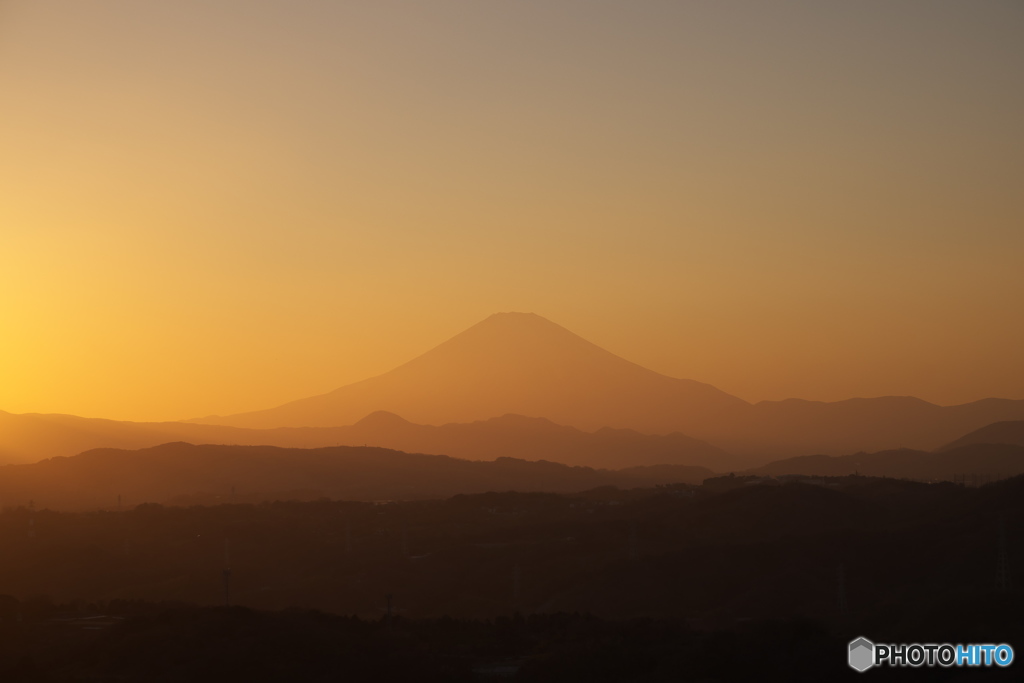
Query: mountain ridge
[(524, 364), (979, 462), (180, 471), (1004, 432), (34, 437)]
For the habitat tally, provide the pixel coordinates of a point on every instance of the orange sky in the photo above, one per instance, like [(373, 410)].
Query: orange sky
[(212, 207)]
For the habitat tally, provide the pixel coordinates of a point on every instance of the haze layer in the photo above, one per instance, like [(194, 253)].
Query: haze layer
[(215, 207), (522, 363)]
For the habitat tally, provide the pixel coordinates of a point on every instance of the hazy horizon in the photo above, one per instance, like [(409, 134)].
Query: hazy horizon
[(400, 365), (617, 267), (213, 208), (496, 414), (518, 364)]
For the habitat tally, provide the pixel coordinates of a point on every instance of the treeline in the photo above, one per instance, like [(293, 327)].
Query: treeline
[(852, 546)]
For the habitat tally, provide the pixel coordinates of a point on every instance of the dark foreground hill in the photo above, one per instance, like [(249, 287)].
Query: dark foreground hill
[(188, 644), (185, 473), (899, 557), (760, 582)]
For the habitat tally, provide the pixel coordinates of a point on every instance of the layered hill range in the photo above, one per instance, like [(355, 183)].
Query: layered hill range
[(523, 364), (184, 474), (518, 385), (971, 464), (30, 438)]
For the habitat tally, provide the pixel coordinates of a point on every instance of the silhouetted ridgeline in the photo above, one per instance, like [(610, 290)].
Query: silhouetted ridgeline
[(535, 438), (992, 461), (524, 364), (95, 479), (512, 365), (30, 438), (184, 474), (1011, 432)]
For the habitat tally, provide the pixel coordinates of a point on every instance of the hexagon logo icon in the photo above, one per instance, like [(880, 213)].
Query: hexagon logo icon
[(862, 654)]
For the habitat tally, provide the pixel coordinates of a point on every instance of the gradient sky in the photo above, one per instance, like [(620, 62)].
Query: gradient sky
[(217, 206)]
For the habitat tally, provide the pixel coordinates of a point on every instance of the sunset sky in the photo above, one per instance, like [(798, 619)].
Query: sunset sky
[(213, 206)]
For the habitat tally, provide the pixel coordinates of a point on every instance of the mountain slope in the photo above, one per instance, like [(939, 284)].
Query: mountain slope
[(509, 363), (1009, 432), (523, 364)]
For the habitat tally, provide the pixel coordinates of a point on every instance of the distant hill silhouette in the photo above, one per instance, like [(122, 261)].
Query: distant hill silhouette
[(457, 399), (184, 472), (797, 427), (1011, 432), (32, 437), (539, 438), (987, 460), (524, 364), (29, 438)]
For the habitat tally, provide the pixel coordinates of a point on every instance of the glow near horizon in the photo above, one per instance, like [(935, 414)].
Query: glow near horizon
[(218, 207)]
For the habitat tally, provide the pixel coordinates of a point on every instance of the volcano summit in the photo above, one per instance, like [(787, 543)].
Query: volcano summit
[(511, 363)]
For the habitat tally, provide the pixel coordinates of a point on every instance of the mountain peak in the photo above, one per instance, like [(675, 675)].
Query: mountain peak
[(383, 419), (511, 362), (515, 315), (517, 319), (502, 328)]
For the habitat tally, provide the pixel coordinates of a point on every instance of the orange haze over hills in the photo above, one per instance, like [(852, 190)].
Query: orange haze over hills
[(522, 363), (558, 384), (30, 438), (509, 363), (215, 207)]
